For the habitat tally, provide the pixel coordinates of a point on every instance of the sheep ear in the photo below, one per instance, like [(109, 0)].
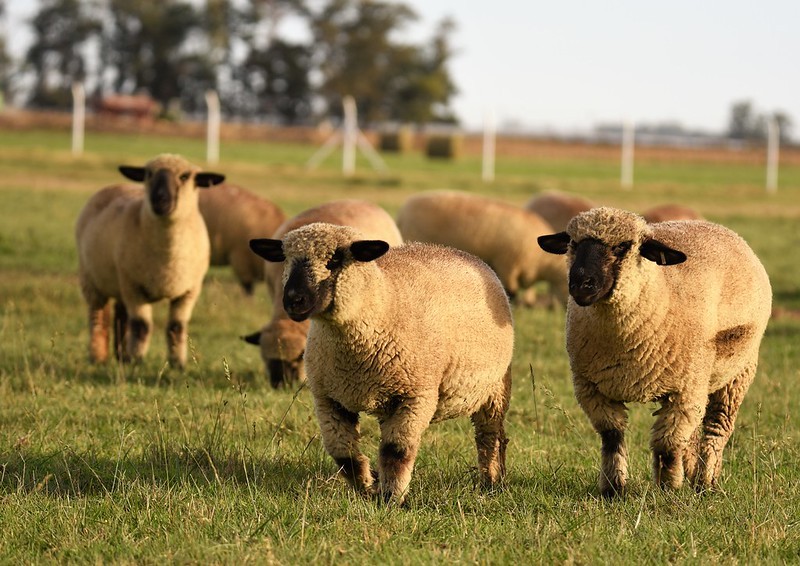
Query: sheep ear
[(132, 173), (254, 338), (205, 180), (368, 250), (554, 243), (660, 253), (269, 249)]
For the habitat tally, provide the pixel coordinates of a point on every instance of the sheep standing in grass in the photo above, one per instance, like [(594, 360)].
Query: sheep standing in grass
[(139, 245), (558, 208), (412, 335), (497, 232), (283, 340), (672, 312), (233, 217)]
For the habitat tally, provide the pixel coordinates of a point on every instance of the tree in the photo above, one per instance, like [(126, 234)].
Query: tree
[(746, 124), (278, 77), (61, 30), (356, 55)]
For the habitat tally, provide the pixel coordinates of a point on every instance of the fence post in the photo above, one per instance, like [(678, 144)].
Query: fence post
[(78, 117), (626, 174), (773, 148), (212, 131), (349, 135)]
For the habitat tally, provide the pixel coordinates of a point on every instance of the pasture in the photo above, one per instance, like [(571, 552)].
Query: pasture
[(146, 464)]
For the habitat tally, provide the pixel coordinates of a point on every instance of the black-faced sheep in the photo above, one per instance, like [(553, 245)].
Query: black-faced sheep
[(233, 217), (558, 208), (282, 340), (664, 212), (672, 312), (412, 335), (139, 245), (495, 231)]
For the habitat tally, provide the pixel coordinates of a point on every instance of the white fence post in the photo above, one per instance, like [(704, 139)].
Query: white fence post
[(489, 142), (349, 135), (773, 149), (78, 117), (212, 131), (626, 174)]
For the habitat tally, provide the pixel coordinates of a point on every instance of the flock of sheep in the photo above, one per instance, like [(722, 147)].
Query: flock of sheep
[(410, 320)]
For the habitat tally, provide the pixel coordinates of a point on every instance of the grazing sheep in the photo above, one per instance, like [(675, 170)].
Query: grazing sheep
[(412, 335), (233, 217), (664, 212), (283, 340), (139, 245), (672, 312), (497, 232), (558, 208)]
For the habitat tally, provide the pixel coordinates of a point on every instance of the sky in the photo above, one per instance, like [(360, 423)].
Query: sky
[(568, 65)]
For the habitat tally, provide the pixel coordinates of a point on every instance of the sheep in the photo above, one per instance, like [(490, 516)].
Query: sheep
[(233, 217), (672, 312), (558, 208), (138, 245), (495, 231), (663, 212), (282, 340), (411, 335)]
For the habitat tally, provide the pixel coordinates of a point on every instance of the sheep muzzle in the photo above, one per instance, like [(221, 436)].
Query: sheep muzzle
[(592, 274), (163, 193)]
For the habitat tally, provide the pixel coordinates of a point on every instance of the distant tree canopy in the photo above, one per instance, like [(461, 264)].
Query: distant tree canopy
[(747, 124), (177, 49)]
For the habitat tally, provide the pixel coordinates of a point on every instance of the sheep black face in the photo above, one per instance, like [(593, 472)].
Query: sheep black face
[(310, 279), (164, 184), (595, 266)]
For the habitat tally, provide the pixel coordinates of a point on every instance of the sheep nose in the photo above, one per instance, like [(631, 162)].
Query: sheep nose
[(298, 305)]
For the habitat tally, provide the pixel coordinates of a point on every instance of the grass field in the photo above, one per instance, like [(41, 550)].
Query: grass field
[(147, 465)]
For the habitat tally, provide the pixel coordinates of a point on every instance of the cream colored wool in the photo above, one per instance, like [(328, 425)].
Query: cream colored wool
[(685, 335), (233, 217), (422, 334), (283, 340), (558, 208), (128, 253), (664, 212), (502, 235)]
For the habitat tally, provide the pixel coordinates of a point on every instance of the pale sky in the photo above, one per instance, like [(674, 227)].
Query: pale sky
[(567, 65)]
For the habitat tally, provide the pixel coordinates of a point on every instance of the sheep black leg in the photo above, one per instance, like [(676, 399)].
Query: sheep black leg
[(341, 435), (718, 424), (401, 433), (676, 423), (490, 437), (180, 311), (609, 419)]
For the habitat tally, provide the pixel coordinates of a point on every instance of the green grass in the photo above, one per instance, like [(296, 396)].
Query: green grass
[(147, 465)]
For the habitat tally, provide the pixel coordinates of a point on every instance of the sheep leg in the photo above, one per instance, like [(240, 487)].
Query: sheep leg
[(490, 437), (401, 433), (140, 325), (609, 418), (676, 423), (341, 434), (180, 312), (120, 331), (718, 423), (99, 322)]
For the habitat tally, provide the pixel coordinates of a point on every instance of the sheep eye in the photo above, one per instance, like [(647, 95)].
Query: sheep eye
[(336, 260), (621, 249), (185, 177)]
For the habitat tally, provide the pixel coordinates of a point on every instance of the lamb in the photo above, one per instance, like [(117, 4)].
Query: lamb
[(672, 312), (558, 208), (663, 212), (138, 245), (411, 335), (497, 232), (233, 217), (282, 340)]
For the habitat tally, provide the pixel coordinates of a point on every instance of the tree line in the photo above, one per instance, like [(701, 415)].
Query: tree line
[(176, 50)]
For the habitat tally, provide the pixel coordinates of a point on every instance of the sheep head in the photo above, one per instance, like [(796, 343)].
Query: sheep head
[(316, 256), (599, 243), (166, 177)]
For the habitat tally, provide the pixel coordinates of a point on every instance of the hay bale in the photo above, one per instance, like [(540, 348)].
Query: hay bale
[(400, 140), (444, 146)]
